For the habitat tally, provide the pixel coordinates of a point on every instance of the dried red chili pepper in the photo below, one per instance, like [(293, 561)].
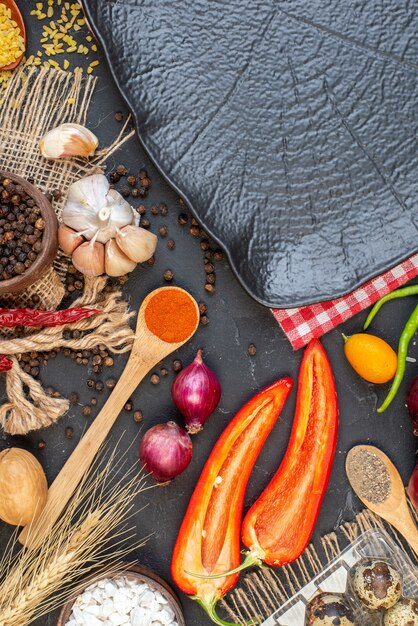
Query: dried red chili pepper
[(278, 526), (5, 363), (9, 318), (208, 541)]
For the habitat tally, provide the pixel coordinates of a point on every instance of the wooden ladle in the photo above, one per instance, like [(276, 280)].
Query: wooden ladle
[(147, 351), (17, 17), (393, 507)]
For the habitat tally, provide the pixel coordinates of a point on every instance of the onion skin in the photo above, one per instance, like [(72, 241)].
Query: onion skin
[(165, 451), (196, 393), (413, 487), (412, 404)]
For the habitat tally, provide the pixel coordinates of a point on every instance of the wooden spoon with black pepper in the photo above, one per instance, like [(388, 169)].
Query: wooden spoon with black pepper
[(377, 483), (167, 319)]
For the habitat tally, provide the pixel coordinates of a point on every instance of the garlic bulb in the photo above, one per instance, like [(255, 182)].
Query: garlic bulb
[(96, 211), (137, 243), (68, 140), (68, 239), (89, 258), (116, 262)]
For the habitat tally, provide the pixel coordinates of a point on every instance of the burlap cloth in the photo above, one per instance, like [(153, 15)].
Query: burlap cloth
[(31, 106)]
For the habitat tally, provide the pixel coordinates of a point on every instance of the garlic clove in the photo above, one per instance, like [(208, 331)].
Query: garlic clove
[(116, 261), (68, 140), (68, 239), (137, 243), (89, 258), (95, 209)]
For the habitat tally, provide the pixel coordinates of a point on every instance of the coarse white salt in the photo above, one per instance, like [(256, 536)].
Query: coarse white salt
[(121, 602)]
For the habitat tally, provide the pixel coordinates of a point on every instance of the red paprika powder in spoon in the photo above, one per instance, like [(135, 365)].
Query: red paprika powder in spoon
[(171, 315)]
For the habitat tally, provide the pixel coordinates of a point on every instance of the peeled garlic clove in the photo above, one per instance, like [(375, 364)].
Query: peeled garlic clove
[(137, 243), (68, 140), (116, 261), (89, 258), (68, 239)]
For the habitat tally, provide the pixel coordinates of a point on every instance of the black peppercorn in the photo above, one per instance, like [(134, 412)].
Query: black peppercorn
[(210, 288), (119, 116), (125, 191), (99, 386), (131, 180), (168, 276), (110, 383), (141, 209), (183, 219), (93, 401), (86, 411), (203, 308), (151, 260), (154, 209), (171, 244), (138, 417), (155, 379), (218, 255), (252, 350), (163, 209), (164, 371), (73, 398), (41, 444), (145, 223), (69, 432), (204, 320), (163, 231), (129, 406), (177, 365), (121, 170), (90, 383), (194, 231), (211, 279)]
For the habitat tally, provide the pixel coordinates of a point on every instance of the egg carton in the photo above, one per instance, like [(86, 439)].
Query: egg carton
[(335, 579)]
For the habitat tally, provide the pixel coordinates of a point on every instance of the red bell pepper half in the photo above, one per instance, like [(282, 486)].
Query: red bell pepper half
[(278, 526), (209, 539)]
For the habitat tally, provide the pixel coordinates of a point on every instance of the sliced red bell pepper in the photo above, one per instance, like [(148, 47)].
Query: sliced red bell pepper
[(278, 526), (209, 539)]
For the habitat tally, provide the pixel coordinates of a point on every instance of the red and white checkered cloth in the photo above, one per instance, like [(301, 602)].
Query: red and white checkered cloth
[(308, 322)]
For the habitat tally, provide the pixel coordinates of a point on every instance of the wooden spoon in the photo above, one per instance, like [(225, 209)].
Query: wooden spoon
[(17, 17), (147, 351), (394, 507)]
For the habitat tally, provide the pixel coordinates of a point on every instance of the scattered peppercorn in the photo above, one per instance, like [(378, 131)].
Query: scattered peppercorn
[(252, 350), (183, 219), (168, 276), (210, 288), (209, 268), (69, 432), (163, 231), (90, 383), (163, 209), (131, 180), (129, 406), (125, 191), (114, 177), (141, 209), (177, 365), (93, 401), (135, 192), (194, 231), (204, 320), (121, 170), (41, 444), (138, 417), (204, 244), (203, 308), (110, 383), (171, 244), (86, 411), (73, 398), (218, 255), (99, 386), (151, 260), (211, 279), (145, 223), (154, 209), (164, 371), (119, 116)]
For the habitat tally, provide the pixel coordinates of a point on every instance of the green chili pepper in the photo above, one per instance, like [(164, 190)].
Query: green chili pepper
[(408, 332), (412, 290)]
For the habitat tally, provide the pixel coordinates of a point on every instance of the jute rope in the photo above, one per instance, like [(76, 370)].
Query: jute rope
[(29, 407), (31, 106)]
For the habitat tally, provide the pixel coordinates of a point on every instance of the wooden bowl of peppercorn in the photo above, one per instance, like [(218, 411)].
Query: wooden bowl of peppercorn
[(28, 233)]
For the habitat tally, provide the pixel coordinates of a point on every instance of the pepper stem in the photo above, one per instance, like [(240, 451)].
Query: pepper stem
[(209, 607), (250, 561), (344, 337)]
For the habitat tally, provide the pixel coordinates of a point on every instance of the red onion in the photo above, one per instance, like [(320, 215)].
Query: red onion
[(165, 451), (196, 393), (413, 487), (412, 404)]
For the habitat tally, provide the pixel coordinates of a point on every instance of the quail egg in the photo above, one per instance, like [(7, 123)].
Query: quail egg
[(329, 609), (404, 613), (377, 584)]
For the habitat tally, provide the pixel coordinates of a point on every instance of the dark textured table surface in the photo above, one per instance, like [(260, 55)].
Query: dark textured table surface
[(235, 321)]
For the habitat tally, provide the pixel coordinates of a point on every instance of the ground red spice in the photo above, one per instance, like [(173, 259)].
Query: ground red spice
[(171, 315)]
